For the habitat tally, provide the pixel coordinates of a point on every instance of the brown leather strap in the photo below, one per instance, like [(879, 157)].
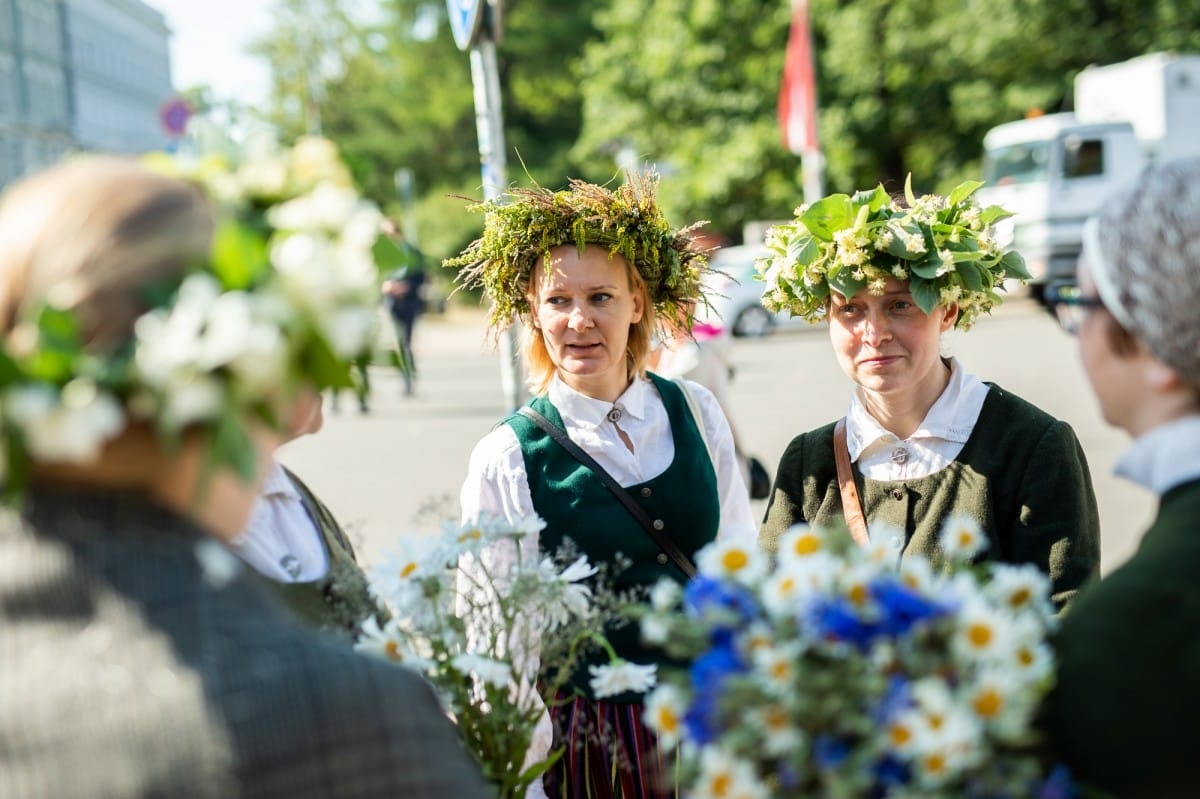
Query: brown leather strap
[(851, 506)]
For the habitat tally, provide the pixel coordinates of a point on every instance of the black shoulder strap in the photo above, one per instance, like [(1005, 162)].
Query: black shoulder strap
[(637, 511)]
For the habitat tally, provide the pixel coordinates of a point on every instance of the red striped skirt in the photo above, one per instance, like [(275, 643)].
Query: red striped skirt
[(610, 754)]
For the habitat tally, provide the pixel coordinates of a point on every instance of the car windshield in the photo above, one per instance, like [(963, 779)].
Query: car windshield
[(1026, 162)]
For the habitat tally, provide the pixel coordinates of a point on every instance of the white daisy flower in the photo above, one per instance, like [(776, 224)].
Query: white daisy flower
[(71, 425), (962, 538), (1019, 589), (732, 559), (780, 736), (664, 711), (801, 541), (777, 666), (665, 594), (982, 633), (611, 679), (723, 775)]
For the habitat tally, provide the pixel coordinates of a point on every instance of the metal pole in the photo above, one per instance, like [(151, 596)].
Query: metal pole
[(485, 76)]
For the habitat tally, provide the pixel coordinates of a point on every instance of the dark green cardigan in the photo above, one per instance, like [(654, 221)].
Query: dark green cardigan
[(1021, 474), (1125, 710), (341, 600)]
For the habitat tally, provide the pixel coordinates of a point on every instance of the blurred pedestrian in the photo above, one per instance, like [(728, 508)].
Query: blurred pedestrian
[(923, 440), (404, 296), (1128, 685)]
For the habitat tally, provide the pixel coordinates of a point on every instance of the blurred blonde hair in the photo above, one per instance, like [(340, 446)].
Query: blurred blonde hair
[(538, 364), (89, 236)]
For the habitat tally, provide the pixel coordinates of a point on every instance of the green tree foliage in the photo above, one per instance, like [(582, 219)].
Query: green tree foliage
[(690, 85)]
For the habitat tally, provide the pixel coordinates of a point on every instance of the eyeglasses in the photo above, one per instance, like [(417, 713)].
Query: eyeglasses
[(1068, 305)]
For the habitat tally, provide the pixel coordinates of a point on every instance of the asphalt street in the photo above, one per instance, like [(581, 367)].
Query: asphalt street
[(397, 470)]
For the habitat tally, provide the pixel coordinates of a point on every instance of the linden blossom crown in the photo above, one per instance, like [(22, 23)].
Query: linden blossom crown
[(287, 298), (523, 225), (943, 246)]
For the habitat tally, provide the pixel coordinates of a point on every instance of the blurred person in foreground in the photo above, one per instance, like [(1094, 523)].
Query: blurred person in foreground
[(145, 371), (590, 271), (1128, 688), (923, 441)]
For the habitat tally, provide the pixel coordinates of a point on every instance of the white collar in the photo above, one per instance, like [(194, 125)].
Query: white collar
[(589, 411), (951, 418), (277, 483), (1164, 456)]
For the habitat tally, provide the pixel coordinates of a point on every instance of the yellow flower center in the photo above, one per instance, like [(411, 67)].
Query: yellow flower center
[(807, 545), (980, 635), (965, 539), (722, 785), (899, 734), (1025, 656), (473, 534), (1020, 598), (735, 560), (987, 703), (409, 569), (935, 763), (392, 650), (667, 721), (936, 720), (857, 594), (781, 670)]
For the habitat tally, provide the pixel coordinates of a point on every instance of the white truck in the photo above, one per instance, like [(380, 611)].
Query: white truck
[(1054, 171)]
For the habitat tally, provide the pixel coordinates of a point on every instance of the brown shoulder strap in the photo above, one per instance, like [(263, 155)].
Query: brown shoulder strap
[(851, 506)]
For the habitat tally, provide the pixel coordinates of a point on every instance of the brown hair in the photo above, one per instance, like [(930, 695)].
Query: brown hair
[(541, 368), (89, 235)]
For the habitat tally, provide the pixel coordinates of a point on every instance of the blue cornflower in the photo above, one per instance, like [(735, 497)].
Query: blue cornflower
[(710, 671), (897, 698), (829, 752), (902, 607), (1059, 785), (837, 620), (703, 718), (723, 604), (891, 772)]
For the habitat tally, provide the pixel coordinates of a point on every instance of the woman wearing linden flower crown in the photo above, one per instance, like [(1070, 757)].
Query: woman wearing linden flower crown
[(923, 440), (158, 333), (616, 460)]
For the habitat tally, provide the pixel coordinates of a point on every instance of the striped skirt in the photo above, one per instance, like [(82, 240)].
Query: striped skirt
[(609, 753)]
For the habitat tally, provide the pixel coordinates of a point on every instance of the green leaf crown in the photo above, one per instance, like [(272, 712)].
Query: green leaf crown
[(287, 298), (944, 247), (525, 224)]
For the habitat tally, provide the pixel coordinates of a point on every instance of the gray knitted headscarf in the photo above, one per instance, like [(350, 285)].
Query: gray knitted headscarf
[(1143, 249)]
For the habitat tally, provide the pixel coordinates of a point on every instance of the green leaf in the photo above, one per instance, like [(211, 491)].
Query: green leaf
[(962, 191), (974, 276), (909, 197), (828, 215), (993, 214), (927, 267), (324, 367), (925, 294), (845, 283), (1013, 264), (803, 250), (232, 447), (239, 255)]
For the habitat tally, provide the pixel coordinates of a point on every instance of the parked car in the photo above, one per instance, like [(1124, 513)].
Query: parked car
[(737, 293)]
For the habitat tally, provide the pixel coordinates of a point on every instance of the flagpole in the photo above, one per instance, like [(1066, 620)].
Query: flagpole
[(798, 102)]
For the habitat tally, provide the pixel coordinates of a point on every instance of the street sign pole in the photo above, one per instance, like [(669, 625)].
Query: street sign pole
[(476, 27)]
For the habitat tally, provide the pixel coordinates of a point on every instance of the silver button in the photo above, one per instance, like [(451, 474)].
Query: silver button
[(899, 455), (897, 493), (646, 491), (661, 558), (658, 524)]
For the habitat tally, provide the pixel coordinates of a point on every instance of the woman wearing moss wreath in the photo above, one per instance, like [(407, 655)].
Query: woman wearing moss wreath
[(923, 439), (588, 270)]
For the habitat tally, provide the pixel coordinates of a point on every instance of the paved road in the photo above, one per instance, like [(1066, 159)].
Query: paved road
[(397, 470)]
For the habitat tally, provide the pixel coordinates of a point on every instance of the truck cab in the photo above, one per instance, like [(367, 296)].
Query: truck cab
[(1051, 172)]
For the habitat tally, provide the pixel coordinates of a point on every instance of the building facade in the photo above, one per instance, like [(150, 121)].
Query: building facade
[(79, 75)]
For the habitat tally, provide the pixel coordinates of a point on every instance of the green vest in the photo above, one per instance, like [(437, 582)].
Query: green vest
[(341, 600), (576, 506), (1022, 475)]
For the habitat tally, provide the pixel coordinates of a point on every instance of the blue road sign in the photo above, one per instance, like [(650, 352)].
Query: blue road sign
[(466, 21)]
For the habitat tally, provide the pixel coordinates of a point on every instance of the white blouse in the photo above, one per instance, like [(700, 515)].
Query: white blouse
[(281, 541), (496, 482), (935, 443), (1164, 456)]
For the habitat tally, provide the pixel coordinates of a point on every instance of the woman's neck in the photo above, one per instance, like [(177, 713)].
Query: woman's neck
[(901, 413)]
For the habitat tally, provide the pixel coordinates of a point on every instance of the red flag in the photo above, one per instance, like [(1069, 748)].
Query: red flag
[(798, 90)]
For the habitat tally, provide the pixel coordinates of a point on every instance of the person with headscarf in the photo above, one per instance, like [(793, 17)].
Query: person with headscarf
[(1128, 688)]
